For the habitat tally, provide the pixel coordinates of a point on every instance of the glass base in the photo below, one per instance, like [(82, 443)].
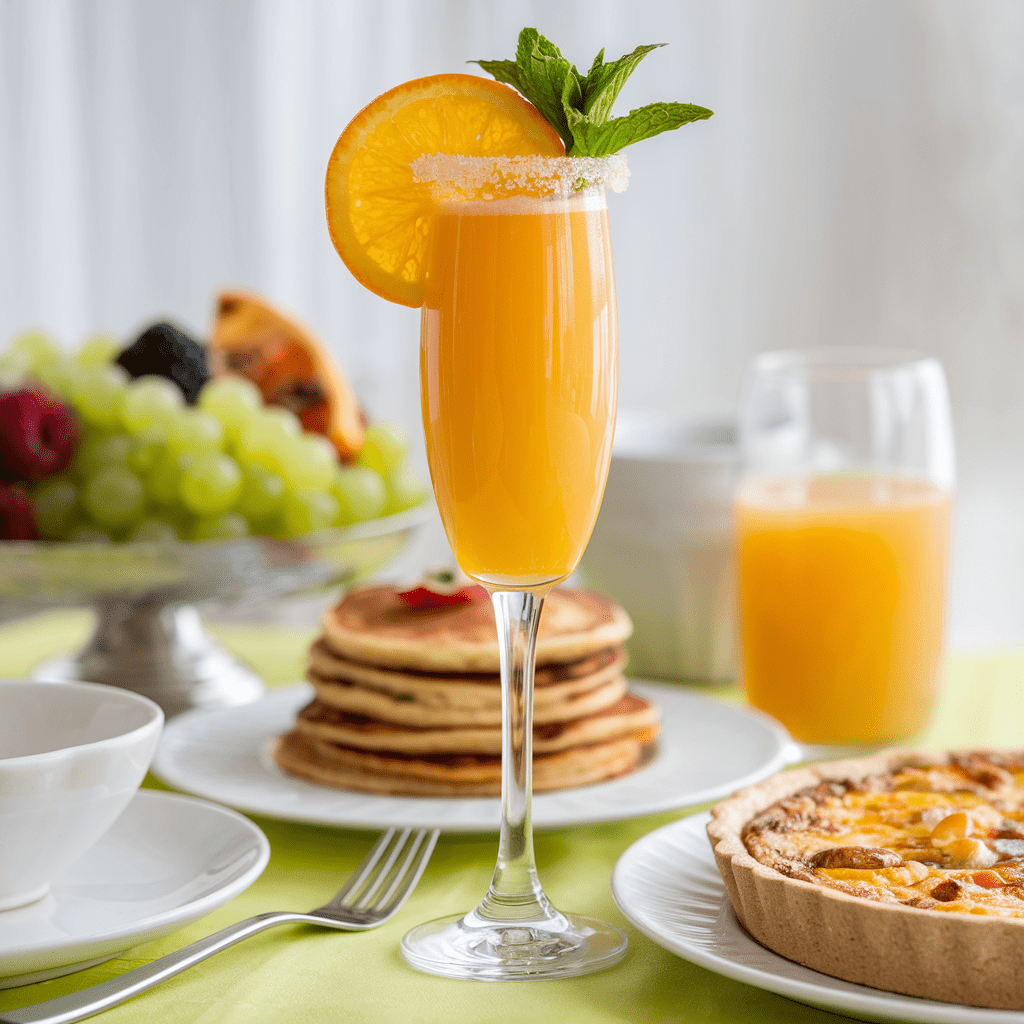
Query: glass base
[(452, 947)]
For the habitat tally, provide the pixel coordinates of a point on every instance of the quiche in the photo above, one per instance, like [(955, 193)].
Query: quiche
[(903, 871)]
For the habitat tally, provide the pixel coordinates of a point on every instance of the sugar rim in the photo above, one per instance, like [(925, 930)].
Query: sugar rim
[(453, 174)]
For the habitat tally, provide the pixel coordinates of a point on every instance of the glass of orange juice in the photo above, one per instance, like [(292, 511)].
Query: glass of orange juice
[(518, 358), (842, 519)]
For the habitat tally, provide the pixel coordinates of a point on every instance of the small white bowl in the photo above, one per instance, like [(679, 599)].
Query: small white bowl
[(72, 755)]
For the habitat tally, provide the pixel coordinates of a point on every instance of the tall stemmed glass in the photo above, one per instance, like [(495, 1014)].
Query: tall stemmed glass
[(518, 384)]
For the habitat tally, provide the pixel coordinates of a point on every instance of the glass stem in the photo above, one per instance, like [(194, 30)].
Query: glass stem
[(516, 895)]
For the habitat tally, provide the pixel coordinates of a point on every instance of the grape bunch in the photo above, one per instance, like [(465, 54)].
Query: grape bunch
[(149, 467)]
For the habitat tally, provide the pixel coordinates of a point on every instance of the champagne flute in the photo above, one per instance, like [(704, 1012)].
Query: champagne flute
[(518, 364)]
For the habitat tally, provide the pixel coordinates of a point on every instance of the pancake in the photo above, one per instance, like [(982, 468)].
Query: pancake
[(376, 627), (328, 764), (629, 715), (561, 692), (355, 700)]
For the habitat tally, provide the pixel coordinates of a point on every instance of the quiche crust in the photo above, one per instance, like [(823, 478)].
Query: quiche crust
[(971, 957)]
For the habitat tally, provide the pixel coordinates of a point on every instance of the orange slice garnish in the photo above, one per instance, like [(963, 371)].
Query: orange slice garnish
[(379, 216)]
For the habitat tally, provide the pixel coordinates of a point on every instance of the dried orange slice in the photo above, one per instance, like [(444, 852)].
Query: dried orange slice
[(289, 366), (378, 215)]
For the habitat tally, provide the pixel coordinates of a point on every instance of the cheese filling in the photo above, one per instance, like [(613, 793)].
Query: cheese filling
[(947, 836)]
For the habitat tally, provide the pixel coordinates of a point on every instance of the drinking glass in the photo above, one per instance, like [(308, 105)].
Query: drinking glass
[(518, 386), (842, 519)]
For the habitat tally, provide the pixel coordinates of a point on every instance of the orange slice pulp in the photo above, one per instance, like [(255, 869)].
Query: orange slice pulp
[(289, 365), (378, 215)]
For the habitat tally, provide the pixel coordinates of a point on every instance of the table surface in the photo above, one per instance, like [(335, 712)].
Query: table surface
[(292, 974)]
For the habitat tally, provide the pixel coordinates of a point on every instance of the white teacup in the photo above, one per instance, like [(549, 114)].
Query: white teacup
[(663, 544), (72, 755)]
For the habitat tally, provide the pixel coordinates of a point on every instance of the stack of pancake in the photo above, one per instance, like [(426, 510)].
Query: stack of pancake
[(408, 700)]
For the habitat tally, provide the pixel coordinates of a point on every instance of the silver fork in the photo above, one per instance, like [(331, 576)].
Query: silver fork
[(374, 893)]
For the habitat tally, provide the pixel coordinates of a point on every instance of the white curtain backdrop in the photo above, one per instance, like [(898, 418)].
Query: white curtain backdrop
[(862, 182)]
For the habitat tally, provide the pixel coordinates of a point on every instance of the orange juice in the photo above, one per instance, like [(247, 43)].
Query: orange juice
[(518, 381), (842, 584)]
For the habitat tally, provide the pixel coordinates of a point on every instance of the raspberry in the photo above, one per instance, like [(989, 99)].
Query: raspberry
[(164, 350), (38, 435), (16, 519)]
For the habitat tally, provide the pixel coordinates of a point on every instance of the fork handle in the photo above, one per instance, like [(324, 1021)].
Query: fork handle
[(95, 999)]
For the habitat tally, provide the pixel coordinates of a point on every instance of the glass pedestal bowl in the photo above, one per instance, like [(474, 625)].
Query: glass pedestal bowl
[(148, 637)]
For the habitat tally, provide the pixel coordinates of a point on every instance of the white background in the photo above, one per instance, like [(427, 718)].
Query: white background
[(862, 182)]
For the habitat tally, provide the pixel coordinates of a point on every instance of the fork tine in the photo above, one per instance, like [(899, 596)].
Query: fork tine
[(373, 897), (364, 870), (361, 898), (412, 869)]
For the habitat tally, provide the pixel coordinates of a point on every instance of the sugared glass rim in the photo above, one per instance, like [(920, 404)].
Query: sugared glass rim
[(495, 177)]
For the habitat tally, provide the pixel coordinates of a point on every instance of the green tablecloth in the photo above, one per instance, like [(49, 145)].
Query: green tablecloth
[(294, 974)]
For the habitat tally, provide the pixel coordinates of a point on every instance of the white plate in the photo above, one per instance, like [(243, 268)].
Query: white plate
[(667, 884), (166, 861), (707, 750)]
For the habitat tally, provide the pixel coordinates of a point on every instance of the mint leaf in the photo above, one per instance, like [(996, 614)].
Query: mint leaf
[(590, 139), (579, 106), (544, 77), (605, 81)]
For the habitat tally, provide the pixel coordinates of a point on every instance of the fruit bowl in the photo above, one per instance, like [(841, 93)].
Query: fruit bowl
[(148, 637)]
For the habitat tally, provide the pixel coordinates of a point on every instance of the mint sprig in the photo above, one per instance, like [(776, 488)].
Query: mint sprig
[(579, 106)]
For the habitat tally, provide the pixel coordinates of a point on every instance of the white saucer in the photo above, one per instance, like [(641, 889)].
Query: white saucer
[(707, 750), (166, 861), (667, 884)]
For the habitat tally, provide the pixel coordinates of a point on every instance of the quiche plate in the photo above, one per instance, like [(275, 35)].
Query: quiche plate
[(667, 885), (941, 919)]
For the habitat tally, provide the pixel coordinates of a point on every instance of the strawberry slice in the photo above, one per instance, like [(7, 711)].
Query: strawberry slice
[(441, 587)]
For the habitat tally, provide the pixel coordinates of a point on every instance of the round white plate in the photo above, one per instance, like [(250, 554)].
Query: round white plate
[(166, 861), (667, 884), (707, 750)]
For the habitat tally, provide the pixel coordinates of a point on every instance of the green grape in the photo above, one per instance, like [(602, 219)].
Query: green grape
[(235, 401), (311, 463), (114, 497), (35, 349), (161, 482), (147, 446), (54, 504), (60, 377), (98, 450), (307, 511), (150, 399), (360, 493), (268, 441), (285, 417), (155, 531), (405, 490), (14, 367), (230, 526), (210, 484), (99, 350), (96, 392), (193, 430), (262, 494), (383, 448)]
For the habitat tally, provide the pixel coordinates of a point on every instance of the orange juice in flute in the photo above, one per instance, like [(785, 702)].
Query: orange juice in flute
[(518, 360), (455, 194)]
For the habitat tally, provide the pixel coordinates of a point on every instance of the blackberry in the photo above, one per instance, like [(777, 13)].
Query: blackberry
[(165, 350)]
